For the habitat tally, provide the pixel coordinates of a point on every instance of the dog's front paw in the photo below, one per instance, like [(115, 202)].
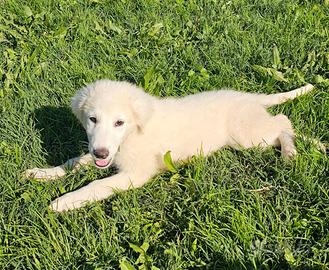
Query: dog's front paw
[(65, 203), (44, 174)]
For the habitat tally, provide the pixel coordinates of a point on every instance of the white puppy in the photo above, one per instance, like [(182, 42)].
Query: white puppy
[(127, 126)]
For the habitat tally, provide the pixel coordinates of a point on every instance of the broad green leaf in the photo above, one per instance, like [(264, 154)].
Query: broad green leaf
[(145, 246), (147, 77), (169, 163), (278, 76), (155, 29), (61, 32), (136, 248), (289, 256), (191, 73), (27, 11), (2, 37), (126, 265), (276, 57), (62, 189), (26, 196), (261, 70), (204, 73), (174, 178), (98, 26), (320, 80), (194, 245), (113, 27), (270, 72), (10, 54)]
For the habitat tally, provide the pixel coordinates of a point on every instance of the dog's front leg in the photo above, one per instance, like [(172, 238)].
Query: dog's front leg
[(59, 171), (95, 191)]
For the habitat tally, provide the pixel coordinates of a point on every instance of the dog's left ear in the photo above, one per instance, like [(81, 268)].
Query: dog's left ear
[(142, 106)]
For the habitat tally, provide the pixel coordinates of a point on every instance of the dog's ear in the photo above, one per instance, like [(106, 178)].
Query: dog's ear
[(142, 106), (78, 102)]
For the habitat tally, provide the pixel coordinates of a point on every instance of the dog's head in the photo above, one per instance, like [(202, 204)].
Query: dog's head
[(110, 111)]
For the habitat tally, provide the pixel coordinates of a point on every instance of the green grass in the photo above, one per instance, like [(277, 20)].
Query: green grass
[(207, 215)]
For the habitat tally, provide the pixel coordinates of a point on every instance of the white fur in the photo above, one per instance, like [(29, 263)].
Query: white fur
[(152, 126)]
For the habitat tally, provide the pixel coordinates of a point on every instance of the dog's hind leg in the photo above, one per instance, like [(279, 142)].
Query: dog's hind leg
[(262, 129), (46, 174), (286, 138), (287, 142)]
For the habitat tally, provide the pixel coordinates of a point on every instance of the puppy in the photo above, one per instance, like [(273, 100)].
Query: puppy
[(134, 130)]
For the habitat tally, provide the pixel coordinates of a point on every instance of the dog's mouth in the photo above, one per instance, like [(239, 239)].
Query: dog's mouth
[(102, 163)]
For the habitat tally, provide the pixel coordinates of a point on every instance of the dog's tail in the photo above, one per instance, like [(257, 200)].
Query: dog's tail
[(275, 99)]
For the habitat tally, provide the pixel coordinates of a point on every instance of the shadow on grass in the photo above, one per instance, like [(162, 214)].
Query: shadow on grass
[(61, 133)]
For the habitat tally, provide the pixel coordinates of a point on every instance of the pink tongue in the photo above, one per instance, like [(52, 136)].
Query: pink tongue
[(102, 162)]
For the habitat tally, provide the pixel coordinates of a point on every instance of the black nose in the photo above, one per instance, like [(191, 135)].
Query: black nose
[(101, 153)]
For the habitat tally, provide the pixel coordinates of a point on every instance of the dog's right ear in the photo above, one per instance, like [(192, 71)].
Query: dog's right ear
[(78, 102)]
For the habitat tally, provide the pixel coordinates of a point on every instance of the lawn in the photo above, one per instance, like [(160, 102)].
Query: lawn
[(233, 210)]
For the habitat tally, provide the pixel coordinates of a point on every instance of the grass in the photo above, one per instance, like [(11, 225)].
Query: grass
[(207, 215)]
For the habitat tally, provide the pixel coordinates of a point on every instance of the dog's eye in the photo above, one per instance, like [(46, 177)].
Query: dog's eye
[(93, 119), (118, 123)]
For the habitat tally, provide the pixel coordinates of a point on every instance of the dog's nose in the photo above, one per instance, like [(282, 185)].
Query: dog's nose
[(101, 153)]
